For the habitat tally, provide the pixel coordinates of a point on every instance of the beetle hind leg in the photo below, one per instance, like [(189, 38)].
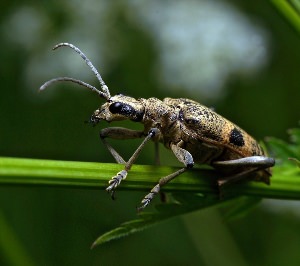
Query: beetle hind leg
[(244, 168)]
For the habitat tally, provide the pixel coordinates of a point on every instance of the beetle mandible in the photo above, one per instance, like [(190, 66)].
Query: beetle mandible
[(193, 132)]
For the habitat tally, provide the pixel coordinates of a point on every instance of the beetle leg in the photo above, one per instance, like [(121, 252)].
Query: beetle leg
[(243, 167), (183, 156), (116, 180), (118, 133), (156, 189), (163, 196)]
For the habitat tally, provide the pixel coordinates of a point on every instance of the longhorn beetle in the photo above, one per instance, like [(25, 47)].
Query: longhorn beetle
[(193, 132)]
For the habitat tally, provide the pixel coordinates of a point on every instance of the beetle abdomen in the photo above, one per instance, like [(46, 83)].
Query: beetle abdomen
[(202, 124)]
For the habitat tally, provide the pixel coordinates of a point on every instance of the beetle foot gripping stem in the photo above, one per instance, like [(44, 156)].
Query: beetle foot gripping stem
[(155, 190), (148, 198), (115, 182)]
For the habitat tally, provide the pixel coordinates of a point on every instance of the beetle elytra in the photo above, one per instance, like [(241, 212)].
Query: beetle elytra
[(193, 132)]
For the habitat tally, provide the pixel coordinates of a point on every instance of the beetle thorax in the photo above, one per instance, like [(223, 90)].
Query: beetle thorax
[(162, 116)]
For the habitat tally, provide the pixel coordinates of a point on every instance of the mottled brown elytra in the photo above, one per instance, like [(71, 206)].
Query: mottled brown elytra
[(194, 133)]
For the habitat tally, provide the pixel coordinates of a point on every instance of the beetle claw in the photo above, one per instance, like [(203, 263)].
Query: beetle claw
[(148, 198), (145, 202), (115, 182)]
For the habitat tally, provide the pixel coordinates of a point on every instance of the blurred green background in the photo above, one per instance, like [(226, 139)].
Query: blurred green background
[(241, 57)]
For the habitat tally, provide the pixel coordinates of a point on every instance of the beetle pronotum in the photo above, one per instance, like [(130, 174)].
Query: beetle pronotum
[(193, 132)]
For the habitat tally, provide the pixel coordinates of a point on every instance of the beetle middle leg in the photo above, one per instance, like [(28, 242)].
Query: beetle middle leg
[(124, 133), (183, 156)]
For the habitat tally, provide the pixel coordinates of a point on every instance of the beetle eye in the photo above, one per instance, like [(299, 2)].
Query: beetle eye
[(115, 107)]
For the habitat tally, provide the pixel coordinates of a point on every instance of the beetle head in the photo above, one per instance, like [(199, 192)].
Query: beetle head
[(119, 107)]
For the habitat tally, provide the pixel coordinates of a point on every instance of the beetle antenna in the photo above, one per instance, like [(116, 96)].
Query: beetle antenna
[(105, 91), (79, 82)]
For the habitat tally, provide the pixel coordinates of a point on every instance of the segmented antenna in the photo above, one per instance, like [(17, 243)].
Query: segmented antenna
[(104, 93)]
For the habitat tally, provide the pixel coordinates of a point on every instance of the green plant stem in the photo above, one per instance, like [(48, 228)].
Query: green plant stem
[(290, 9), (285, 183)]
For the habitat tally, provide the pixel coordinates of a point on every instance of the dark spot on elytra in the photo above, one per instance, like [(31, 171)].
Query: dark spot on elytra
[(236, 137)]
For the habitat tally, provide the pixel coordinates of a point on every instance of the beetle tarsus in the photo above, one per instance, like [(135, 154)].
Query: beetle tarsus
[(149, 197), (144, 204), (115, 182)]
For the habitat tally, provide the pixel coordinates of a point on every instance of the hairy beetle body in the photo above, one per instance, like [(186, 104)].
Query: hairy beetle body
[(194, 133), (206, 135)]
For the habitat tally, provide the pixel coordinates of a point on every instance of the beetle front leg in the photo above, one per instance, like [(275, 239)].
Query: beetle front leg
[(118, 133), (183, 156), (243, 167), (116, 180)]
